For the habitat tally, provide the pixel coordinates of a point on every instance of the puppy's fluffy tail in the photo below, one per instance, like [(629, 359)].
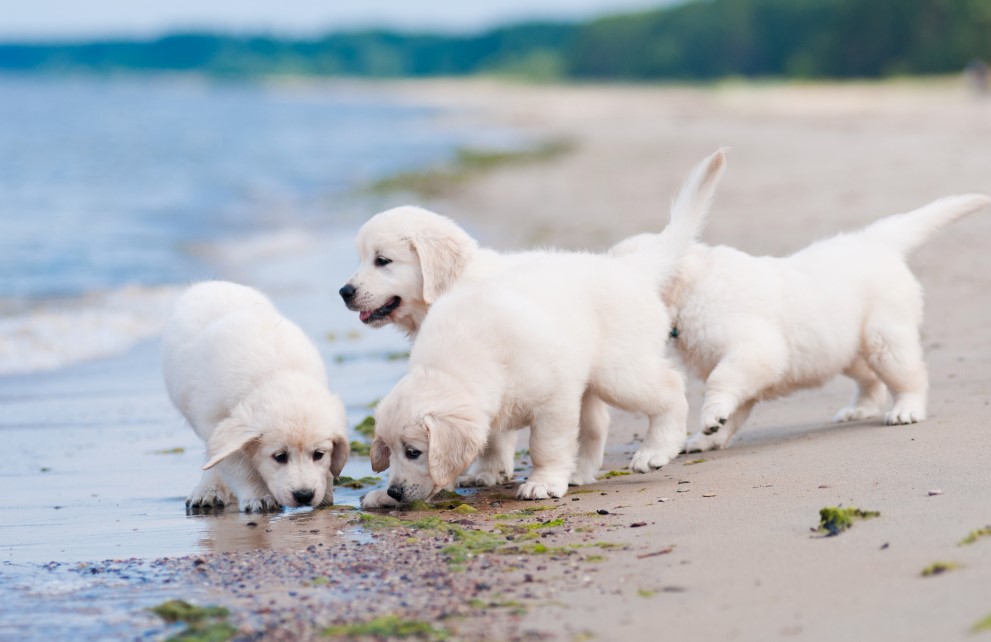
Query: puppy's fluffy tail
[(905, 232), (659, 254)]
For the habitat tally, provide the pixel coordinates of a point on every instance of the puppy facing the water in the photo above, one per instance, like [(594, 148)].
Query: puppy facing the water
[(762, 327), (254, 388)]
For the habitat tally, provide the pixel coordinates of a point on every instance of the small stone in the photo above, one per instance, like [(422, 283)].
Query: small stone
[(251, 524), (684, 481), (575, 499), (638, 524), (708, 494), (823, 485), (662, 500), (602, 511), (935, 491)]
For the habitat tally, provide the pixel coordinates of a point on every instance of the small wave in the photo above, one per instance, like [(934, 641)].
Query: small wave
[(53, 335)]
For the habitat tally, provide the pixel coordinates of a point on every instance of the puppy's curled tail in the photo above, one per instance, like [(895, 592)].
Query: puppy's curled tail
[(658, 254), (905, 232)]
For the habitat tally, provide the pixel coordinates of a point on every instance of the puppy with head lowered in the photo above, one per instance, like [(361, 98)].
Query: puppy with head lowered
[(254, 388), (529, 345), (409, 257), (757, 328)]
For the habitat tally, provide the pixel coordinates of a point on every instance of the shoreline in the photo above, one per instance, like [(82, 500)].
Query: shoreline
[(728, 553)]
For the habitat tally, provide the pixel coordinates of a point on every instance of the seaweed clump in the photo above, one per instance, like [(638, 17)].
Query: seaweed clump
[(203, 623), (388, 627), (833, 520)]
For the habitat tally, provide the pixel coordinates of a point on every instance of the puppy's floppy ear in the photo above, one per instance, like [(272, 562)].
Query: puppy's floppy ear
[(339, 455), (454, 443), (228, 437), (379, 454), (443, 259)]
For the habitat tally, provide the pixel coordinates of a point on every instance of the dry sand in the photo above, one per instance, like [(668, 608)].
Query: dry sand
[(806, 161)]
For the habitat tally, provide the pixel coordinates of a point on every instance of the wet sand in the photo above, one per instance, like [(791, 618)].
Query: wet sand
[(715, 550)]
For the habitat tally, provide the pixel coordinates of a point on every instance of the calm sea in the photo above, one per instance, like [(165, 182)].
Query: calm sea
[(113, 191)]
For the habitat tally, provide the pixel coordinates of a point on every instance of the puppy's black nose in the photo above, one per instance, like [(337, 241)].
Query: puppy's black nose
[(347, 292), (303, 497), (396, 493)]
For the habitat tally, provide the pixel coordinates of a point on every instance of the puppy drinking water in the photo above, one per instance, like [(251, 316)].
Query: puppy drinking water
[(526, 346), (253, 387), (762, 327)]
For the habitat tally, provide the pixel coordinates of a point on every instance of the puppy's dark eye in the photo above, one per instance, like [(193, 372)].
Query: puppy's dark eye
[(381, 261), (412, 453), (282, 458), (317, 455)]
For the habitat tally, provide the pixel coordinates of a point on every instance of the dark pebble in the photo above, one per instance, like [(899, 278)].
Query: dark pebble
[(638, 524), (575, 499), (602, 511), (251, 524)]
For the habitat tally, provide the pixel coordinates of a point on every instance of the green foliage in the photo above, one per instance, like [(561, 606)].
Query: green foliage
[(699, 40), (973, 536), (351, 482), (938, 568), (203, 623)]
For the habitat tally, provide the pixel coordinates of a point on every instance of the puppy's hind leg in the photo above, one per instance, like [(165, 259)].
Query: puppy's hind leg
[(210, 493), (870, 397), (593, 427), (895, 354), (553, 446), (666, 426)]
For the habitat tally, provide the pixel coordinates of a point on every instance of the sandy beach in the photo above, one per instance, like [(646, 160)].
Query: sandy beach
[(717, 546)]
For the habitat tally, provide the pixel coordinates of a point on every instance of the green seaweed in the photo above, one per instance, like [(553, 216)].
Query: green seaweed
[(388, 627), (982, 625), (367, 427), (203, 623), (614, 473), (833, 520), (178, 450), (360, 448), (467, 164), (465, 509), (938, 568), (695, 461), (351, 482), (646, 592), (973, 536)]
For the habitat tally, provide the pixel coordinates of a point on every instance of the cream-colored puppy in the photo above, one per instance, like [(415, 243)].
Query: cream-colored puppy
[(254, 388), (756, 328), (525, 346), (409, 257)]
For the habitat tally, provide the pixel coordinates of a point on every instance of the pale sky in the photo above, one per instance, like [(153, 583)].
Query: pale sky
[(80, 19)]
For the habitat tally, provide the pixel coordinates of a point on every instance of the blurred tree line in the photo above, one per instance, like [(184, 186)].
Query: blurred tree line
[(703, 39)]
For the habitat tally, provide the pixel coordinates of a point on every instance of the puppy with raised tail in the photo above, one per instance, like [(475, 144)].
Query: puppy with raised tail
[(254, 388), (527, 346), (756, 328)]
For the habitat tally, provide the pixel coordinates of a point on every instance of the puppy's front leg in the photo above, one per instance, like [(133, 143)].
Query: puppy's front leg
[(666, 429), (495, 465), (378, 499), (553, 446), (211, 492), (702, 441), (252, 494)]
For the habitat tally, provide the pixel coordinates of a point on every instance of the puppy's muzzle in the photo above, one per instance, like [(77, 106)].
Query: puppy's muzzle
[(395, 492), (303, 497), (347, 292)]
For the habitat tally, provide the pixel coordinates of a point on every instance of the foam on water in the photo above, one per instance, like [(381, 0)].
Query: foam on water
[(57, 334)]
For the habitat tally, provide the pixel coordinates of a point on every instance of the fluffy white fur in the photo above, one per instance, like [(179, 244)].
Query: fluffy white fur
[(530, 345), (253, 387), (756, 328), (408, 258)]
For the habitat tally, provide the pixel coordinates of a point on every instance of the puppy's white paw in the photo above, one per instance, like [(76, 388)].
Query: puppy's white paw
[(701, 442), (648, 459), (209, 496), (903, 414), (541, 490), (378, 499), (263, 504), (483, 478), (855, 413), (715, 414)]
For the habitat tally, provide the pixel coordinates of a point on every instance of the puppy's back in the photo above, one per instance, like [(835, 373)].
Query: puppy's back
[(221, 341)]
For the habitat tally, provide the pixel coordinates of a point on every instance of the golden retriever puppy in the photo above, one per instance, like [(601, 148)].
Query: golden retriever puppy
[(756, 328), (526, 346), (254, 388)]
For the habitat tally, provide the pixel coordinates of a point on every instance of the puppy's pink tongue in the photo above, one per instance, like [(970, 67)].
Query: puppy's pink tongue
[(364, 314)]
